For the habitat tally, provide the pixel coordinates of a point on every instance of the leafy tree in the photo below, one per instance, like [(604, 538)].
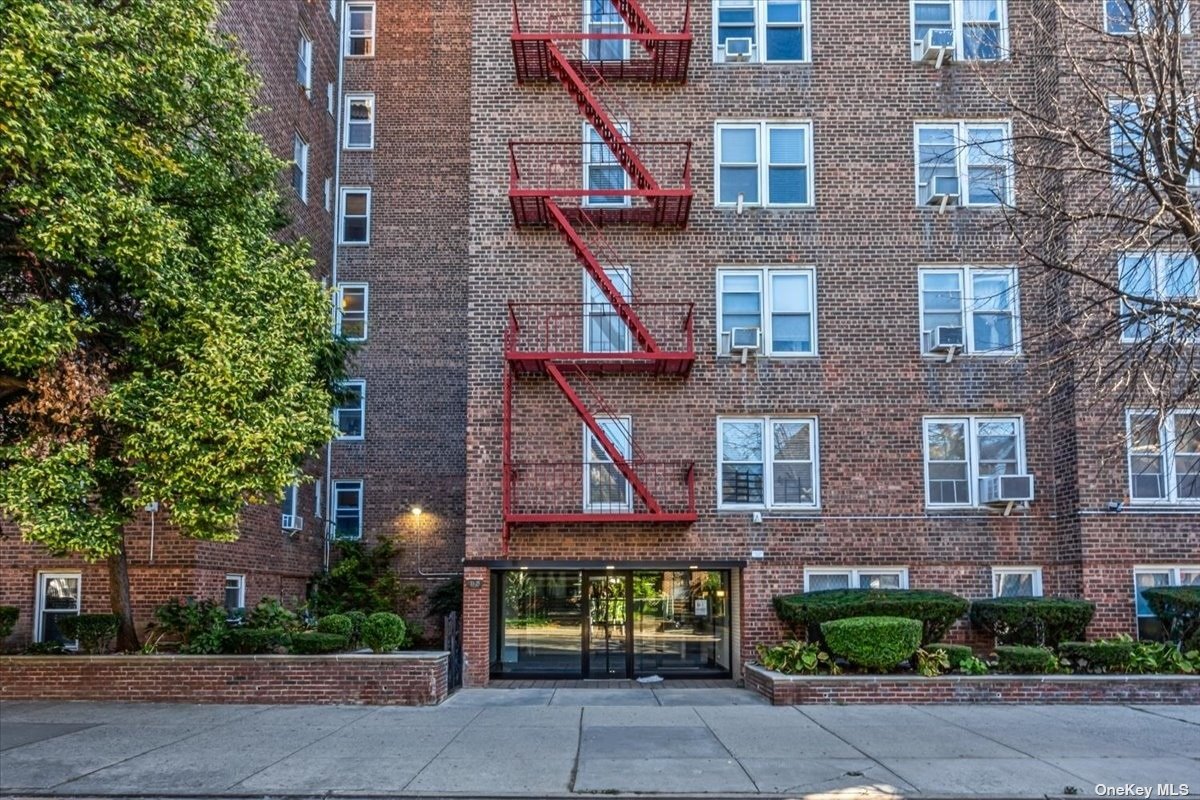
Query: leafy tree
[(157, 343)]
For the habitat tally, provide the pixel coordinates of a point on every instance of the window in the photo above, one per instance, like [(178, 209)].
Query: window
[(1134, 162), (764, 164), (360, 30), (602, 171), (980, 26), (360, 122), (347, 509), (352, 311), (355, 226), (961, 450), (819, 580), (969, 159), (350, 415), (1126, 17), (300, 167), (1016, 581), (58, 595), (604, 331), (1150, 626), (289, 509), (981, 301), (235, 592), (304, 52), (599, 18), (781, 24), (789, 299), (1164, 457), (605, 489), (751, 476), (1157, 276)]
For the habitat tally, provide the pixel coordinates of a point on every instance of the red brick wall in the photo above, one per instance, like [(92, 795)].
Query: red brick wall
[(409, 679)]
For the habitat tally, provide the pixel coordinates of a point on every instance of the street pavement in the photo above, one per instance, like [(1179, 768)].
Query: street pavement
[(554, 743)]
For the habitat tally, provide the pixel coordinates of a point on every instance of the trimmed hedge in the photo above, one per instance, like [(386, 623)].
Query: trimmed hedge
[(936, 611), (1105, 655), (318, 643), (8, 620), (873, 642), (1179, 609), (1033, 621), (383, 632), (1022, 659), (94, 632), (957, 653), (249, 641), (338, 624)]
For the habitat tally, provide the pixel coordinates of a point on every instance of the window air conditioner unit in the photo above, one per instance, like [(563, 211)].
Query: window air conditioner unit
[(937, 47), (739, 49), (943, 191), (745, 341), (946, 339), (999, 490), (292, 522)]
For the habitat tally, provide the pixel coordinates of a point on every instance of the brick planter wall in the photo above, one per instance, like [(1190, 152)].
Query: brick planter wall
[(783, 690), (408, 679)]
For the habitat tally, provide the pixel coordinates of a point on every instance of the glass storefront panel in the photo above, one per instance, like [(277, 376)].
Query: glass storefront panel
[(681, 622), (608, 625), (539, 628)]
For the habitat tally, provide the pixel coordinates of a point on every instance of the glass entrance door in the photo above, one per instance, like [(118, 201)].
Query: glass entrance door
[(606, 630)]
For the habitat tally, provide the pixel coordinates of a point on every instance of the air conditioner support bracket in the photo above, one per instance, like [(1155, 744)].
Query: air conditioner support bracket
[(1008, 509)]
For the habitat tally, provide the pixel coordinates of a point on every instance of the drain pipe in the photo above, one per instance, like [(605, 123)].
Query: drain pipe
[(416, 512)]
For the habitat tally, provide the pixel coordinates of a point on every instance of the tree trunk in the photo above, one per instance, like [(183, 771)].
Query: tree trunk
[(118, 590)]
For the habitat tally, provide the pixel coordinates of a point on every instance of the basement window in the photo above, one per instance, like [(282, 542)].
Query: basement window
[(821, 579), (1150, 626), (58, 595), (1016, 581)]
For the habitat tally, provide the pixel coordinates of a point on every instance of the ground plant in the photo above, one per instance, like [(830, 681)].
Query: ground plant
[(271, 614), (797, 658), (957, 653), (363, 579), (1033, 621), (937, 611), (1022, 659), (1178, 607), (1162, 657), (94, 632), (383, 632), (1101, 656), (876, 643), (196, 626), (310, 643), (973, 666), (249, 641), (932, 662), (8, 620)]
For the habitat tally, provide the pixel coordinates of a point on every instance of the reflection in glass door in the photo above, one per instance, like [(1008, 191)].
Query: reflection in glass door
[(681, 622), (607, 634)]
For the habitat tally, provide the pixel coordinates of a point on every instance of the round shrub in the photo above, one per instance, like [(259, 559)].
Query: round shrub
[(94, 632), (338, 624), (1026, 660), (1179, 609), (879, 643), (1033, 621), (248, 641), (383, 632), (937, 611), (8, 620), (317, 643), (957, 653), (1106, 655)]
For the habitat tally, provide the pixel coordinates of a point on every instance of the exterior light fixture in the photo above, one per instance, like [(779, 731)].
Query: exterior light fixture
[(416, 511)]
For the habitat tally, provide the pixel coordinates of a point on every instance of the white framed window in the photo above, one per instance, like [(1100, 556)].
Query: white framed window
[(1154, 577), (972, 158), (767, 463), (290, 506), (1133, 162), (605, 489), (819, 579), (601, 17), (354, 225), (353, 300), (980, 27), (359, 133), (1164, 457), (764, 164), (235, 592), (602, 171), (1127, 17), (59, 594), (360, 30), (329, 98), (981, 301), (778, 31), (300, 166), (961, 450), (304, 54), (1016, 581), (781, 302), (603, 330), (346, 500), (350, 415), (1157, 275)]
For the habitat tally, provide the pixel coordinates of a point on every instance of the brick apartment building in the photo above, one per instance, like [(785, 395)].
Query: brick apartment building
[(655, 300)]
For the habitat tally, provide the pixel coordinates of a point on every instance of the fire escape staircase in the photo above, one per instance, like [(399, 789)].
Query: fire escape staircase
[(544, 338)]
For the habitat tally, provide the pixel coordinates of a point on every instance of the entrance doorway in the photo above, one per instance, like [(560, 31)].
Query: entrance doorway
[(607, 653)]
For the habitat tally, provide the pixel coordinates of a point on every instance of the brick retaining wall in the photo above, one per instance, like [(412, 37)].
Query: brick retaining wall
[(410, 679), (784, 690)]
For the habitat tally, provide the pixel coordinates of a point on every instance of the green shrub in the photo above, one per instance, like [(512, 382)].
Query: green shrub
[(338, 624), (383, 632), (973, 666), (247, 641), (270, 614), (957, 653), (1179, 609), (446, 598), (1105, 655), (1034, 621), (879, 643), (94, 632), (937, 611), (45, 649), (1023, 659), (932, 662), (8, 620), (199, 627), (797, 658), (1162, 657), (415, 632), (317, 643), (363, 578), (357, 618)]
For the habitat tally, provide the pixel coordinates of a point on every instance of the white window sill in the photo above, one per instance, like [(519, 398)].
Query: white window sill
[(349, 438), (988, 354), (767, 207), (731, 510), (771, 356), (354, 244)]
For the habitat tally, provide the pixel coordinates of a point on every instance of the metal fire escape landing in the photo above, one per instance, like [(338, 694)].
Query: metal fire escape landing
[(570, 343)]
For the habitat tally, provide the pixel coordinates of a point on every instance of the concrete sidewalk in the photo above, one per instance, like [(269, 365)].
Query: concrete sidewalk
[(563, 742)]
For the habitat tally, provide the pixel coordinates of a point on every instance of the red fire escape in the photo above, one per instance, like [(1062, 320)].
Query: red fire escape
[(575, 343)]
